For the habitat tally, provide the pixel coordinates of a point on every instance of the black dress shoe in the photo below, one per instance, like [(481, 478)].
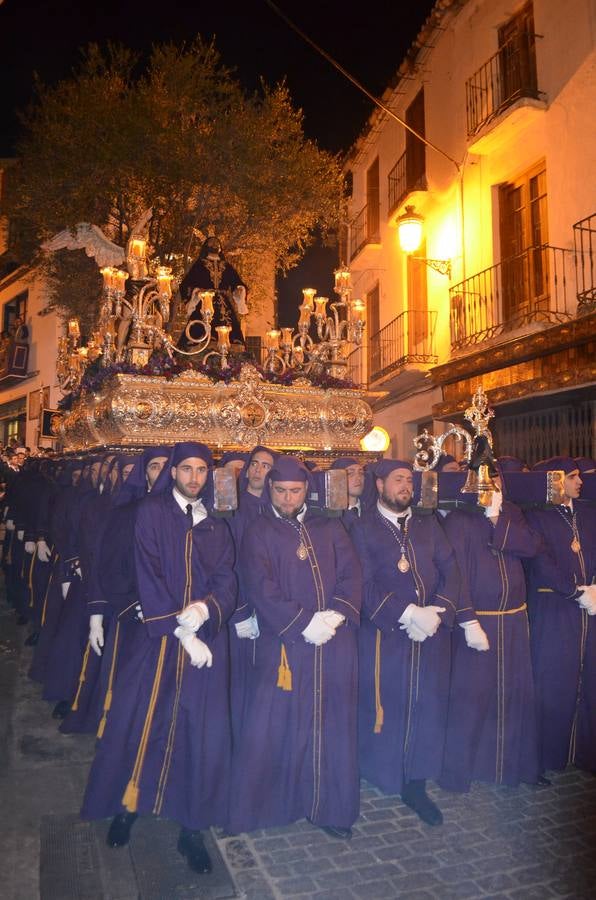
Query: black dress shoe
[(414, 795), (192, 846), (119, 832), (61, 710), (32, 640)]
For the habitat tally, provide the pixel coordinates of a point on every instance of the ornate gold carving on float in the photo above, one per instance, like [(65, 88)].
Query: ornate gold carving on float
[(140, 410)]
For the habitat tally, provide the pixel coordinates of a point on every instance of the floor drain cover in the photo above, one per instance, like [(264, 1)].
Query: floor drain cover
[(76, 864)]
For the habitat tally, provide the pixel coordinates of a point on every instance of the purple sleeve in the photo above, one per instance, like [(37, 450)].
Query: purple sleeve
[(347, 592), (382, 607), (159, 606), (458, 534), (282, 614), (512, 534)]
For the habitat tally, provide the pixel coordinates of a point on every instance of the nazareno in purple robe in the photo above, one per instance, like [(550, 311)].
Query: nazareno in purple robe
[(404, 684), (491, 724), (166, 745), (563, 638), (296, 755)]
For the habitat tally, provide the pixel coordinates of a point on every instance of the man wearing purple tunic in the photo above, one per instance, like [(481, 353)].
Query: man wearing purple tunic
[(166, 745), (296, 755), (243, 626), (410, 598), (491, 725), (562, 606)]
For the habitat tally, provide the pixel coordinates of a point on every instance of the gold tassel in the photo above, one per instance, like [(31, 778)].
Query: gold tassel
[(380, 714), (82, 677), (106, 708), (131, 796), (284, 673)]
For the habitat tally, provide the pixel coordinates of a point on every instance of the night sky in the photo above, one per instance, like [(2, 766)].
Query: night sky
[(368, 38)]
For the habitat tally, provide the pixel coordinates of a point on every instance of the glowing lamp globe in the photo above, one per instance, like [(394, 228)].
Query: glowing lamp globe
[(376, 441), (409, 230)]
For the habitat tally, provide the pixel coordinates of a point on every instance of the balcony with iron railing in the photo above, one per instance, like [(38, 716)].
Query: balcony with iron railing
[(364, 229), (404, 178), (584, 244), (507, 77), (406, 341), (511, 295)]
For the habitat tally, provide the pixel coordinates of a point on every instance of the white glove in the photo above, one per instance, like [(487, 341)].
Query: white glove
[(20, 534), (587, 599), (43, 551), (333, 618), (414, 632), (65, 587), (476, 636), (9, 525), (96, 638), (496, 505), (318, 631), (139, 611), (199, 653), (193, 616), (30, 546), (249, 628), (78, 572), (425, 617)]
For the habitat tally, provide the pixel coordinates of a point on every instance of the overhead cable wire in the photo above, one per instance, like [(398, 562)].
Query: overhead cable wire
[(357, 84)]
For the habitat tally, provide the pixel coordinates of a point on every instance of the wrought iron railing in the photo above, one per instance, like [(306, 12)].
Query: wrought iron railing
[(396, 184), (584, 242), (530, 287), (507, 76), (364, 229), (401, 181), (409, 338)]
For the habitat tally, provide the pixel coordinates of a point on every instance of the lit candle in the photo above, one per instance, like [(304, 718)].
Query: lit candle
[(108, 276), (119, 277), (137, 248), (321, 306), (308, 297), (164, 282), (358, 310), (286, 335), (342, 280), (272, 339), (73, 329), (206, 298), (305, 314), (297, 356), (223, 336)]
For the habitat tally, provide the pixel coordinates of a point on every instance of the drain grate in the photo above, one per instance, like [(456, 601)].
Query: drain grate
[(76, 864)]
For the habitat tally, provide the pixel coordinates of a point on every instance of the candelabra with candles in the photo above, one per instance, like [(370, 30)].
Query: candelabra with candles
[(339, 328), (73, 358)]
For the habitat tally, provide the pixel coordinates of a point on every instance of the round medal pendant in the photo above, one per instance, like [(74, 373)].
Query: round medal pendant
[(575, 545), (301, 552), (403, 565)]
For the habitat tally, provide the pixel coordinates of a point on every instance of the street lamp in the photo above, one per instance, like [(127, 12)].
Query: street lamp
[(410, 233)]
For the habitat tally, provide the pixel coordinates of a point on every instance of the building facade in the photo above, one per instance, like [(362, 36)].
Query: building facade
[(29, 335), (501, 291)]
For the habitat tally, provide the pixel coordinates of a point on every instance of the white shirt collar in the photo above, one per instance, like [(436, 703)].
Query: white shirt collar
[(356, 505), (393, 516), (198, 510), (299, 517)]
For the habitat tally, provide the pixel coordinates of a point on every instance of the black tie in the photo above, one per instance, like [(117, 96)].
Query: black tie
[(402, 522), (189, 515)]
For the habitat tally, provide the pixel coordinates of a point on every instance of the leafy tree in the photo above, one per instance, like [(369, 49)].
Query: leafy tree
[(178, 134)]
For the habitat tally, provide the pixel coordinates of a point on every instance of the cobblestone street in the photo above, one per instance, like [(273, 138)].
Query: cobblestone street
[(495, 843)]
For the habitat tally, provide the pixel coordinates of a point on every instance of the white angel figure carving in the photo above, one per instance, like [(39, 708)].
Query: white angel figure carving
[(89, 238)]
